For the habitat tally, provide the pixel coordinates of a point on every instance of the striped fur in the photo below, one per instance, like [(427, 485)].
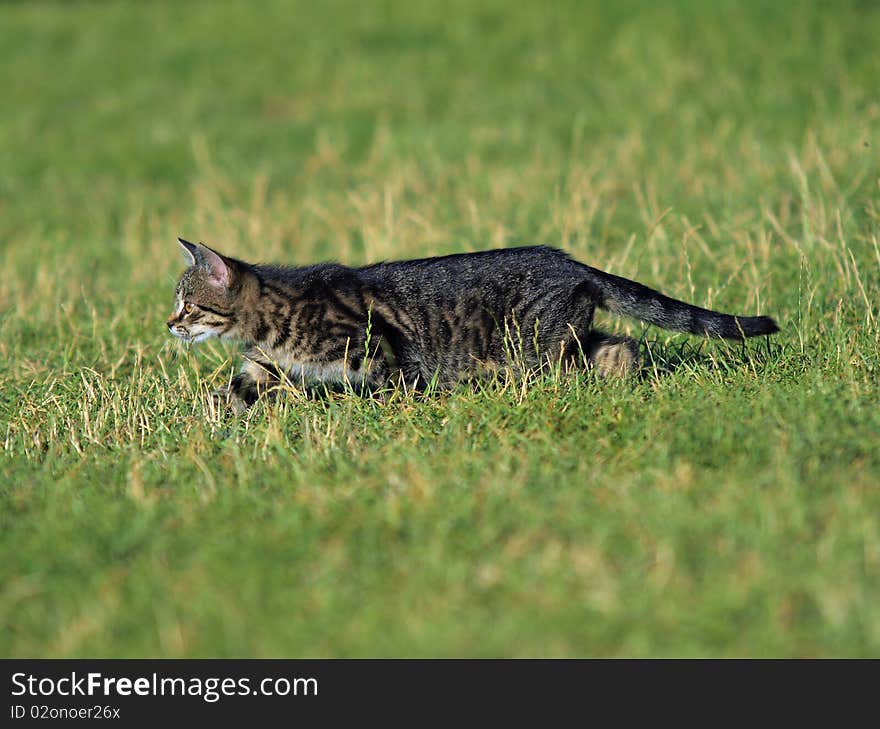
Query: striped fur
[(430, 320)]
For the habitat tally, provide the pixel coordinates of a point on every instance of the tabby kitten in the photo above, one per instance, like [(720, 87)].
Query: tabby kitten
[(438, 320)]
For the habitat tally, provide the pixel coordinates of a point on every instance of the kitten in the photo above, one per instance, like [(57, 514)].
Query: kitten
[(438, 320)]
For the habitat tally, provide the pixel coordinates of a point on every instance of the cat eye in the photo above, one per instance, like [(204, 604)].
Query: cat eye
[(188, 308)]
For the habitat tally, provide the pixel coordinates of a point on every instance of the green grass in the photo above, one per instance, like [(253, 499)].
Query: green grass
[(728, 503)]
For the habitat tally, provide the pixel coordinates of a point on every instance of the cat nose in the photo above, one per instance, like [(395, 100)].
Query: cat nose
[(170, 324)]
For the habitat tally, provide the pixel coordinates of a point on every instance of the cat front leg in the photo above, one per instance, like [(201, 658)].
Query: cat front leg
[(255, 379)]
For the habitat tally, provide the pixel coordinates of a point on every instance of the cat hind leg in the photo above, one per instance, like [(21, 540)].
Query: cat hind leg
[(612, 355)]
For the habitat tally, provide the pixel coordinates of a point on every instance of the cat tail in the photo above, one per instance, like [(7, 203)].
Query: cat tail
[(629, 298)]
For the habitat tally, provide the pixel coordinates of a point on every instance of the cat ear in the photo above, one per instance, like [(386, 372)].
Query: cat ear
[(190, 251), (219, 270)]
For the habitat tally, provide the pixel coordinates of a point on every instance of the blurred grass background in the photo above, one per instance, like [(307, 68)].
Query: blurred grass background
[(725, 152)]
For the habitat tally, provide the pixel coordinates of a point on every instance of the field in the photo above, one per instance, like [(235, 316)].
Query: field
[(726, 503)]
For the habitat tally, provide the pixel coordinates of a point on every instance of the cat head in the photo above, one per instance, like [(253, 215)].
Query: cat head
[(204, 304)]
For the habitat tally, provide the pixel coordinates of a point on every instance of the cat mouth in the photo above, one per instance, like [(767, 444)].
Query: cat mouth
[(191, 338)]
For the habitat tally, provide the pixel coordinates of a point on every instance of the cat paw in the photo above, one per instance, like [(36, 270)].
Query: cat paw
[(226, 399), (615, 357)]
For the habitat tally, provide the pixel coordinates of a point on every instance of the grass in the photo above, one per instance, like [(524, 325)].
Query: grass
[(725, 504)]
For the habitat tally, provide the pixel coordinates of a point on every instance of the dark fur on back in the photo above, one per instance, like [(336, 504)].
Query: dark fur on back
[(434, 319)]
